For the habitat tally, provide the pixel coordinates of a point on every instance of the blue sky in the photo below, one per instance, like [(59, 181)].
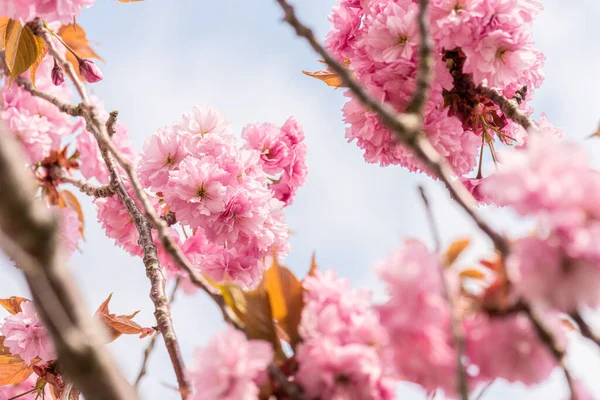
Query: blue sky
[(163, 57)]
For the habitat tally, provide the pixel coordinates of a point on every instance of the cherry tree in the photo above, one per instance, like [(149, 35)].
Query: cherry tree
[(438, 87)]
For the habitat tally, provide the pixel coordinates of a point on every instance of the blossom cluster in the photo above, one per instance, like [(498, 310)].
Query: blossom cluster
[(552, 181), (63, 11), (475, 42), (26, 337), (343, 344)]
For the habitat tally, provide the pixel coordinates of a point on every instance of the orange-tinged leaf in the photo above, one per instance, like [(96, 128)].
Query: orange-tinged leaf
[(330, 77), (75, 37), (13, 370), (258, 320), (23, 48), (235, 299), (455, 250), (36, 64), (313, 265), (3, 26), (120, 324), (285, 295), (12, 304), (472, 273), (72, 201), (567, 324)]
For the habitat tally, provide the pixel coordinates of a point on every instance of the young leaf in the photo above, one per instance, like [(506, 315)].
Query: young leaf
[(313, 266), (36, 64), (13, 370), (75, 37), (120, 324), (455, 250), (285, 296), (3, 25), (258, 320), (70, 200), (23, 48), (12, 304), (328, 76)]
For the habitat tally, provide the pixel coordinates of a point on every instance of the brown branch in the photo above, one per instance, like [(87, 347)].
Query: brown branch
[(152, 343), (546, 336), (111, 123), (509, 107), (458, 332), (425, 68), (406, 127), (170, 218), (87, 188), (585, 330), (30, 237), (153, 269)]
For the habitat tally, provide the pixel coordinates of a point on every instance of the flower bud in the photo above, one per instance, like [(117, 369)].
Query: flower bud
[(90, 71), (58, 77)]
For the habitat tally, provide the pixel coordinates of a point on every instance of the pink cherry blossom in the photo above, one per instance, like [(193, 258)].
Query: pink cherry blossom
[(229, 366), (196, 192), (543, 274), (393, 33), (509, 348), (64, 11), (10, 391), (201, 121), (25, 336), (343, 343), (162, 153), (69, 230), (345, 22), (266, 139), (416, 317)]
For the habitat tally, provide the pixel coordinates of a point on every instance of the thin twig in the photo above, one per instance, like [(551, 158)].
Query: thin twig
[(406, 127), (509, 107), (585, 329), (484, 390), (152, 343), (30, 236), (111, 123), (458, 333), (547, 337), (153, 269)]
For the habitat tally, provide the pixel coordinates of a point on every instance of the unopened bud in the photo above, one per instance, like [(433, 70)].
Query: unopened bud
[(58, 77), (90, 71)]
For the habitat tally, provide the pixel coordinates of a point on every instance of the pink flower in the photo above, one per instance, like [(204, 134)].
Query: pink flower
[(329, 371), (90, 71), (345, 22), (343, 343), (454, 21), (64, 11), (393, 34), (203, 120), (10, 391), (499, 58), (417, 319), (473, 185), (25, 336), (267, 140), (162, 153), (195, 191), (69, 229), (509, 348), (229, 366), (543, 274)]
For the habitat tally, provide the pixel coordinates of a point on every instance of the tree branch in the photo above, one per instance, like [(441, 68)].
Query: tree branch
[(87, 188), (509, 107), (30, 237), (152, 343), (153, 269), (585, 329), (458, 332)]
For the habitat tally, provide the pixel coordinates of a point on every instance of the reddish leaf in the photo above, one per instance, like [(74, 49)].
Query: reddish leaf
[(13, 370), (330, 77), (12, 304), (120, 324), (258, 320), (313, 266)]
